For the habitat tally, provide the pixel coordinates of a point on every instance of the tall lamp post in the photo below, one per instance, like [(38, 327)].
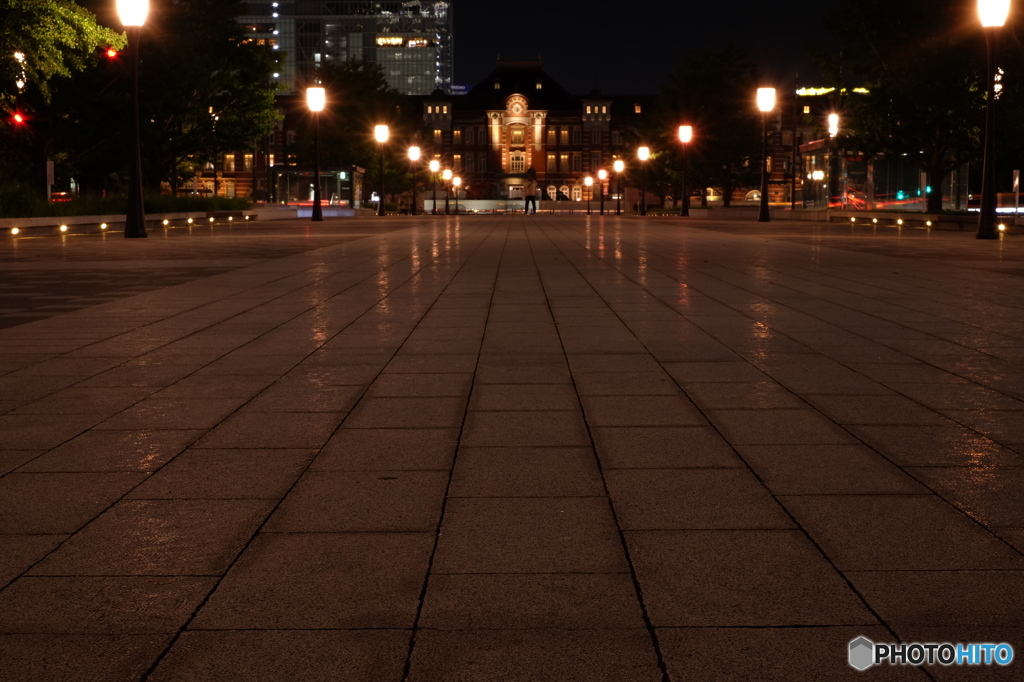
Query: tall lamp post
[(765, 102), (643, 153), (602, 175), (589, 182), (381, 134), (685, 136), (316, 98), (133, 15), (447, 177), (414, 156), (434, 166), (619, 166), (457, 182), (993, 15)]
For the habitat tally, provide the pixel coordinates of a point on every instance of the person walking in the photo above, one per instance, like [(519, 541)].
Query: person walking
[(531, 194)]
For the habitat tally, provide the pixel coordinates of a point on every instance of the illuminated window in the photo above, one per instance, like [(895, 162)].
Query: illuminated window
[(457, 163), (588, 109), (604, 109), (552, 163), (247, 162), (445, 109), (229, 163), (563, 163), (577, 193), (551, 137), (437, 136), (497, 85), (552, 192), (517, 137), (270, 159), (540, 86), (564, 137), (517, 162), (430, 109), (807, 109), (637, 109), (457, 137)]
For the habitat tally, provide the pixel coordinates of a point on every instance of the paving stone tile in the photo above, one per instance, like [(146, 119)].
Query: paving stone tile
[(421, 386), (529, 535), (56, 504), (13, 459), (1001, 426), (226, 475), (526, 472), (549, 655), (617, 383), (159, 537), (682, 499), (613, 362), (108, 451), (827, 469), (353, 501), (740, 578), (663, 447), (313, 655), (320, 581), (244, 387), (523, 601), (406, 413), (129, 374), (990, 495), (714, 372), (1013, 536), (523, 429), (288, 430), (82, 657), (315, 375), (437, 364), (288, 397), (641, 411), (911, 599), (388, 450), (243, 363), (100, 605), (157, 413), (22, 551), (892, 532), (43, 431), (503, 369), (772, 654), (947, 445), (876, 410), (742, 395), (777, 427), (524, 397), (87, 400), (958, 396)]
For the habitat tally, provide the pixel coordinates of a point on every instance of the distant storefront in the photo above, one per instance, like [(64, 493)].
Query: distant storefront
[(339, 185)]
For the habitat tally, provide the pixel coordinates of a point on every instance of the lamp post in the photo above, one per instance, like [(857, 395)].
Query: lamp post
[(447, 177), (602, 175), (685, 135), (765, 102), (133, 15), (414, 156), (434, 166), (992, 14), (643, 153), (457, 182), (316, 98), (619, 166), (381, 134), (589, 182)]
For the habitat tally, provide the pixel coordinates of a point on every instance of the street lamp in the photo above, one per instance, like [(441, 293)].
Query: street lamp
[(434, 166), (993, 15), (133, 15), (602, 175), (685, 136), (316, 98), (643, 153), (765, 102), (589, 182), (446, 176), (619, 166), (414, 156), (381, 134), (833, 125), (457, 182)]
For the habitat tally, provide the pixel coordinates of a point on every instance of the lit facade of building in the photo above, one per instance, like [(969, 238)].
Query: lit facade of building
[(518, 119), (410, 39)]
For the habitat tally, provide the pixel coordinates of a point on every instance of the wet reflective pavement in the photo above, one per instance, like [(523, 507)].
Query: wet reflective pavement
[(508, 448)]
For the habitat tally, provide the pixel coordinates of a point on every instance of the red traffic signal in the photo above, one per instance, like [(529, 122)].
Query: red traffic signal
[(18, 118), (111, 52)]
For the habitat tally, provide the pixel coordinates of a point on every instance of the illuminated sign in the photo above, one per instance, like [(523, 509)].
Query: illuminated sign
[(387, 40), (418, 42)]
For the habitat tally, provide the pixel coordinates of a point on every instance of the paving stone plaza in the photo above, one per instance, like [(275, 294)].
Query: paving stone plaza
[(508, 448)]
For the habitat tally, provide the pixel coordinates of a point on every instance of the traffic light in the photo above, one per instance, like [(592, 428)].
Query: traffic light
[(111, 52), (18, 118)]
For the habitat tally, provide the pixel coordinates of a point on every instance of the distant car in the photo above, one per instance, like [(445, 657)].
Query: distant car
[(60, 197)]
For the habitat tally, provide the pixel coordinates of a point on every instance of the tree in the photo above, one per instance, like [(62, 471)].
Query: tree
[(47, 38), (714, 92), (923, 64)]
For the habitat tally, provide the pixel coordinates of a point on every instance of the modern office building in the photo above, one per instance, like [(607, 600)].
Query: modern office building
[(410, 39)]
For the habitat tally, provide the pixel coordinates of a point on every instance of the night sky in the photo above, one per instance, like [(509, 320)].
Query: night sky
[(630, 47)]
